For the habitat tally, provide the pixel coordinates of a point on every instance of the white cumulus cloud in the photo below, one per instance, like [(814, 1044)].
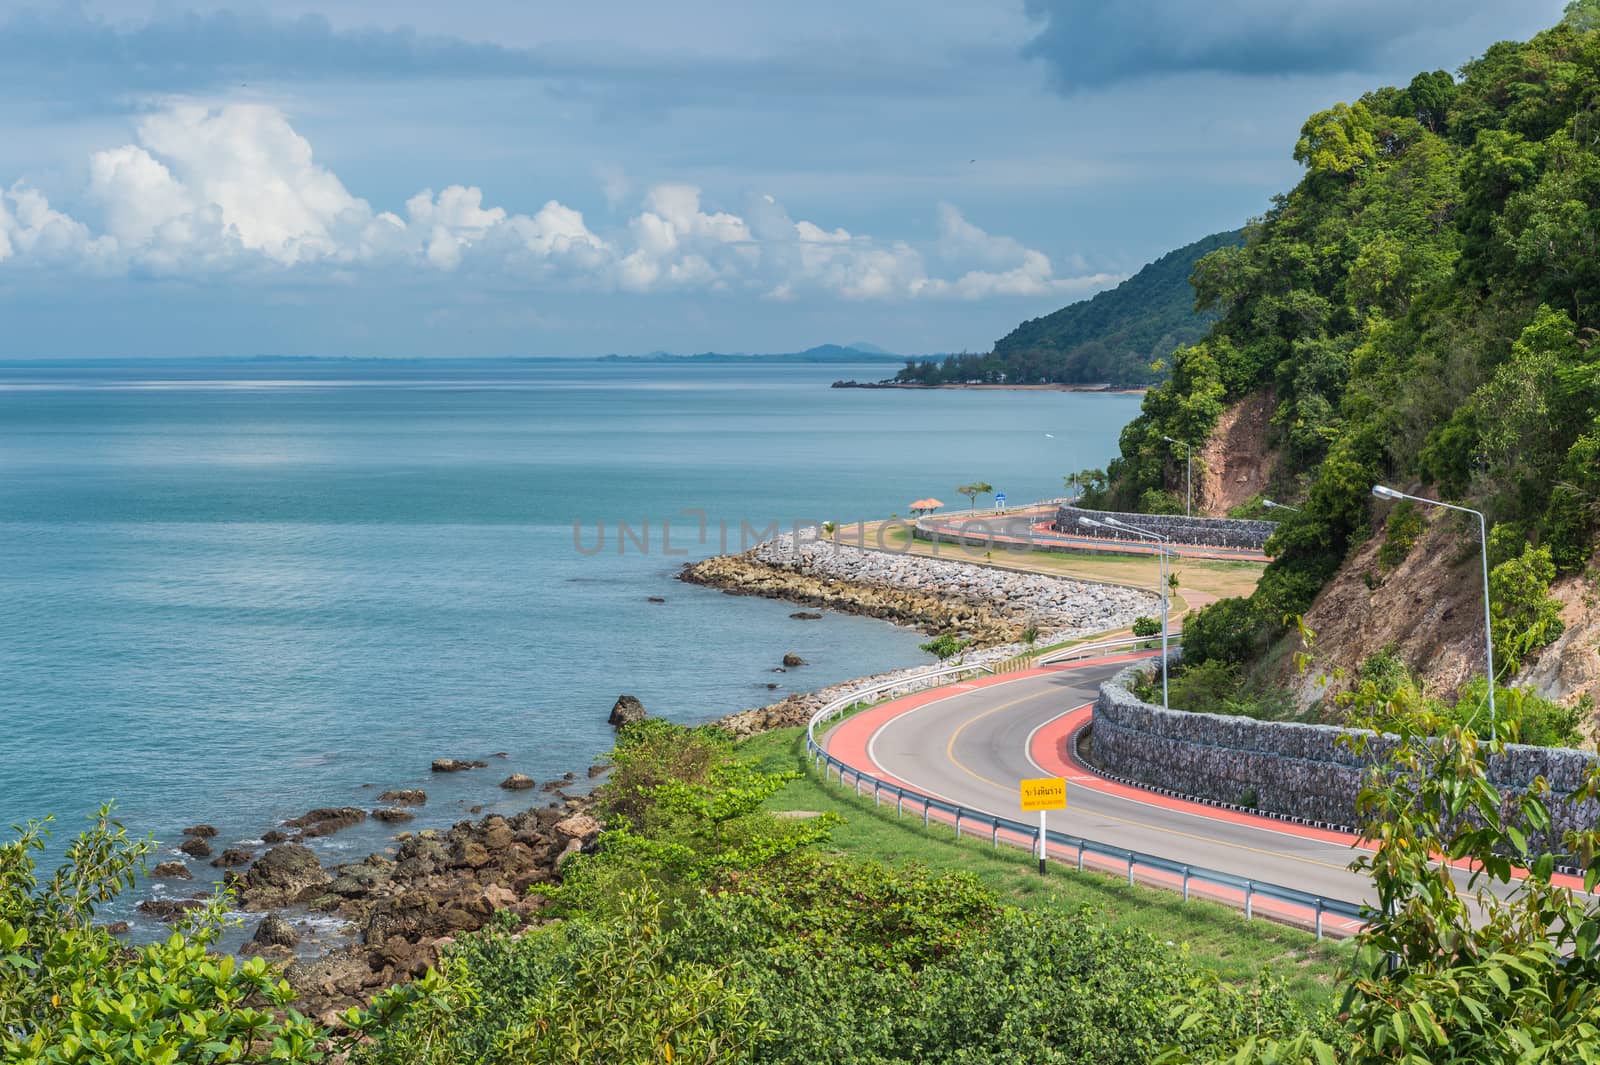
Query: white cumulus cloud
[(203, 190)]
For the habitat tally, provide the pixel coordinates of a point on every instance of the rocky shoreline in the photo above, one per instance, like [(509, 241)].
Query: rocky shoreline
[(400, 907)]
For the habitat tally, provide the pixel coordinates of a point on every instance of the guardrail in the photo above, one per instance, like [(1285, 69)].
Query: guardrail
[(1318, 906)]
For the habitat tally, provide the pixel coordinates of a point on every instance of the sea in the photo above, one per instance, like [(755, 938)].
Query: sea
[(231, 591)]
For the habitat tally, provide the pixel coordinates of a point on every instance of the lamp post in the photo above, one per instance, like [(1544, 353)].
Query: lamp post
[(1385, 492), (1270, 505), (1188, 475), (1115, 526)]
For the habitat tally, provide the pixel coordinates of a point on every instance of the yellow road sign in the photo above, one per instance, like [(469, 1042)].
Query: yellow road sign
[(1044, 793)]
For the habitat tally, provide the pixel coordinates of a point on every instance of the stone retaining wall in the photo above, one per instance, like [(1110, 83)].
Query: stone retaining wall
[(1211, 532), (1282, 767)]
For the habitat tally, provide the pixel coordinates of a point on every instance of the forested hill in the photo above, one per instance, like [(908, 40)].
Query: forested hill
[(1420, 310), (1113, 338)]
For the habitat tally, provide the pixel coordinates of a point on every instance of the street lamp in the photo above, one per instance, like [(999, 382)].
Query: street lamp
[(1270, 505), (1385, 492), (1188, 476), (1115, 525)]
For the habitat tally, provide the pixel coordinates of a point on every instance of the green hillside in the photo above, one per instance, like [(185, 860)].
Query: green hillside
[(1422, 306), (1112, 338)]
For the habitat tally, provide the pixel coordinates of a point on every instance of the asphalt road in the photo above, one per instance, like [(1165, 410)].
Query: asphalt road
[(971, 743)]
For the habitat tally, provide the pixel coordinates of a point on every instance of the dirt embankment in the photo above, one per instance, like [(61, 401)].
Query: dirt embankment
[(1236, 462), (1430, 608)]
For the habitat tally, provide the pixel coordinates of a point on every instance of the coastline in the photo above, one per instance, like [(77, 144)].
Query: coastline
[(399, 906), (1110, 390)]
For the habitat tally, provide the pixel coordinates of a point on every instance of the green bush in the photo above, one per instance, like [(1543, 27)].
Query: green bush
[(1224, 631), (70, 994), (1160, 501), (945, 646), (1523, 616), (1404, 525), (1146, 626)]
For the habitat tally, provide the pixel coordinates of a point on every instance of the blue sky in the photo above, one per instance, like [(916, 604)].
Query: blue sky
[(535, 178)]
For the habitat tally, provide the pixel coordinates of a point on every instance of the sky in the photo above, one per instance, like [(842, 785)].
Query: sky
[(530, 178)]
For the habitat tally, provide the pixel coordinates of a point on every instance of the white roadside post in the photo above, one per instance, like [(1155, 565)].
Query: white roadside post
[(1385, 492)]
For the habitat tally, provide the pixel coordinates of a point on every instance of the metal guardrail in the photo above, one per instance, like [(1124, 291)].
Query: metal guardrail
[(1317, 905)]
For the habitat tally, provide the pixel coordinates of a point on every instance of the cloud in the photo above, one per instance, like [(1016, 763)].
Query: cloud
[(190, 48), (1090, 44), (236, 191)]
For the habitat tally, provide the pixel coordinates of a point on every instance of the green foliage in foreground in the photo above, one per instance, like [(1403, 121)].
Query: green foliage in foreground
[(70, 994), (1493, 970), (800, 956)]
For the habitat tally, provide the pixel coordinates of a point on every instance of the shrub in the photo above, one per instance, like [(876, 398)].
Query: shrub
[(70, 994), (1146, 626), (1160, 501), (945, 646), (1224, 631), (1404, 525), (1523, 616)]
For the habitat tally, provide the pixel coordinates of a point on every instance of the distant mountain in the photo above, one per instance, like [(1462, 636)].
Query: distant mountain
[(821, 353), (1111, 338)]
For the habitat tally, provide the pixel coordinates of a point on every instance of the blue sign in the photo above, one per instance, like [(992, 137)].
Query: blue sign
[(999, 499)]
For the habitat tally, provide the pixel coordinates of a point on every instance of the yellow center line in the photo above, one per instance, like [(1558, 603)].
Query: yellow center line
[(950, 754)]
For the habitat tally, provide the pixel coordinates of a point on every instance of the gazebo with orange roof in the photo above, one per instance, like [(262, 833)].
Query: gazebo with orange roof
[(925, 506)]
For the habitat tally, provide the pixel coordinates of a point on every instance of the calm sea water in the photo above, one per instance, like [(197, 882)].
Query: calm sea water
[(229, 593)]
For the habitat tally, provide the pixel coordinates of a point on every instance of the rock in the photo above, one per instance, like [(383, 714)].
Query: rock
[(806, 615), (470, 854), (203, 831), (457, 765), (626, 711), (552, 785), (326, 820), (773, 687), (393, 815), (598, 769), (286, 874), (195, 847), (274, 931), (791, 660), (582, 827), (497, 835), (233, 856), (500, 754), (118, 928), (655, 599), (169, 910), (173, 870), (274, 836), (499, 897), (573, 847), (405, 797), (518, 782)]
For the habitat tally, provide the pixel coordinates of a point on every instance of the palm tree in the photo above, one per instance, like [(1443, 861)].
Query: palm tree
[(974, 490)]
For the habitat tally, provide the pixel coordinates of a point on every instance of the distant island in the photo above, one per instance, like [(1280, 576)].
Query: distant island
[(855, 353), (1118, 339)]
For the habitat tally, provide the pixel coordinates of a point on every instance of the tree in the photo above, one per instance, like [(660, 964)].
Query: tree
[(946, 646), (974, 490)]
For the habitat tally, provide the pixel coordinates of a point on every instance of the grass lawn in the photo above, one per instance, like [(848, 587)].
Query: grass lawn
[(1216, 936)]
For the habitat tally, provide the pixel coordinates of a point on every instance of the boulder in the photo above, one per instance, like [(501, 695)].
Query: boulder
[(655, 599), (456, 765), (203, 831), (326, 820), (169, 910), (118, 928), (274, 836), (405, 797), (791, 660), (806, 615), (274, 931), (231, 857), (195, 847), (517, 782), (286, 874), (573, 847), (598, 769), (625, 711), (393, 815), (173, 870), (581, 828)]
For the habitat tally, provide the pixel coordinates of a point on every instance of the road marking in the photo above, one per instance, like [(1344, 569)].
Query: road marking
[(950, 748)]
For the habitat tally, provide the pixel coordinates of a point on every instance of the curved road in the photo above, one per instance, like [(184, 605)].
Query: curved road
[(970, 743)]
